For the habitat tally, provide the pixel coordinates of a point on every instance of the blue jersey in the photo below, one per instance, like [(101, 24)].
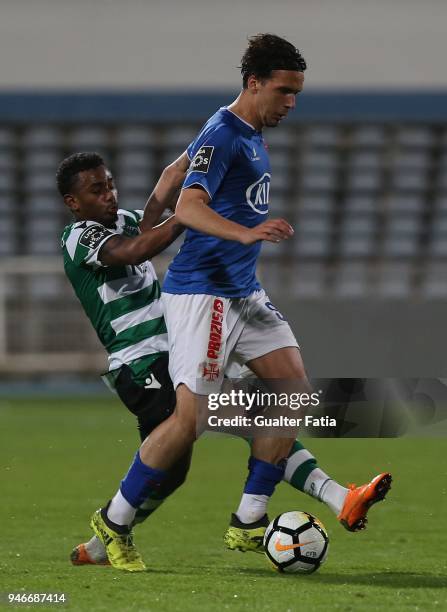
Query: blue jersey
[(230, 161)]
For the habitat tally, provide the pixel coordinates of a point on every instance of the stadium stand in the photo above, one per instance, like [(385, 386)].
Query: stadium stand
[(355, 193)]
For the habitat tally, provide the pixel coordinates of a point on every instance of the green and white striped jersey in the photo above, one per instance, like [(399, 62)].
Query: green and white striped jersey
[(122, 302)]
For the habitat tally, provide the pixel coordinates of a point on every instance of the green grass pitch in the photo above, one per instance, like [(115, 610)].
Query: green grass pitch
[(62, 458)]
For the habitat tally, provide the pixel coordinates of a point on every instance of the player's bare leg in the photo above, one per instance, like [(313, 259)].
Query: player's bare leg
[(177, 433)]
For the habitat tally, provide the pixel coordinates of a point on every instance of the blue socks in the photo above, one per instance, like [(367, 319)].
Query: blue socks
[(261, 482), (139, 481), (263, 477)]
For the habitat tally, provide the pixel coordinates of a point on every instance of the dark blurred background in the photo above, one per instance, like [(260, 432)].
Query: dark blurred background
[(359, 168)]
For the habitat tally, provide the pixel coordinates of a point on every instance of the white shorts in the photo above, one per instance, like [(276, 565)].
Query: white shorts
[(209, 336)]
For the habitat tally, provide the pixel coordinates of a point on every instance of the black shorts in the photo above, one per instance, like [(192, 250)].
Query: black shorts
[(150, 406)]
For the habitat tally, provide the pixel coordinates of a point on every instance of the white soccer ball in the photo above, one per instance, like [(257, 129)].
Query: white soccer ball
[(296, 542)]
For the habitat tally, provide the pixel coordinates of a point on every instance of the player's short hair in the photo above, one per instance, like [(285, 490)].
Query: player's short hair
[(70, 167), (268, 52)]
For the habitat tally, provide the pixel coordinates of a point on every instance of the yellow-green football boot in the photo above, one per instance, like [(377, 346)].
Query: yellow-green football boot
[(246, 536), (119, 544)]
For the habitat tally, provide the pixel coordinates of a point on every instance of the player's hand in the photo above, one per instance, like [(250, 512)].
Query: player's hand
[(273, 230)]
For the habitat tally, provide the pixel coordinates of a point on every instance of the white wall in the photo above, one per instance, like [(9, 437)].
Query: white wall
[(197, 43)]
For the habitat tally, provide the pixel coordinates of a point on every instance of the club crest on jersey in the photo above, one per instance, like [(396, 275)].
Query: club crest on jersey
[(258, 194), (202, 159), (93, 235)]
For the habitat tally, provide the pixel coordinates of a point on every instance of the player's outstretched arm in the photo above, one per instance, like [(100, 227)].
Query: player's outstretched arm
[(165, 192), (193, 211), (120, 250)]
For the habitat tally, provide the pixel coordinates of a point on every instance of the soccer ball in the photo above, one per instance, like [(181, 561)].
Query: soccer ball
[(296, 542)]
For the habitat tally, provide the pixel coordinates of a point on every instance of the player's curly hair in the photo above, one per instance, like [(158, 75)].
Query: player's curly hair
[(71, 166), (268, 52)]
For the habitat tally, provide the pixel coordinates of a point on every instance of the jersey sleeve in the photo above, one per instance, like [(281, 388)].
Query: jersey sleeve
[(137, 215), (84, 244), (211, 157)]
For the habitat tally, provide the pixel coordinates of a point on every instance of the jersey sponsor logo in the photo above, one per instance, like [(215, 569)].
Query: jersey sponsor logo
[(93, 235), (215, 337), (201, 160), (211, 370), (258, 194)]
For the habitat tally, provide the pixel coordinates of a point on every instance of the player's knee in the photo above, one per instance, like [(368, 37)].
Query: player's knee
[(186, 423)]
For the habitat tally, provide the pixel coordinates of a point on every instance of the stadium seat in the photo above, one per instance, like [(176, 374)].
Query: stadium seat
[(368, 136), (178, 137), (439, 224), (8, 204), (43, 137), (43, 235), (358, 224), (89, 138), (397, 225), (322, 136), (133, 199), (7, 181), (47, 160), (281, 204), (136, 180), (434, 281), (42, 204), (322, 180), (351, 279), (442, 181), (365, 160), (414, 137), (7, 245), (312, 246), (315, 160), (356, 245), (440, 203), (280, 160), (271, 250), (309, 280), (312, 224), (364, 203), (317, 203), (7, 161), (8, 138), (282, 180), (45, 286), (409, 179), (364, 180), (404, 159), (40, 181), (135, 137), (131, 159), (406, 204), (438, 246), (276, 139), (395, 280), (403, 246)]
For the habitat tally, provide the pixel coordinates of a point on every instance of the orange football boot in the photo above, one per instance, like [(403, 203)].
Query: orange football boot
[(80, 556), (360, 499)]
